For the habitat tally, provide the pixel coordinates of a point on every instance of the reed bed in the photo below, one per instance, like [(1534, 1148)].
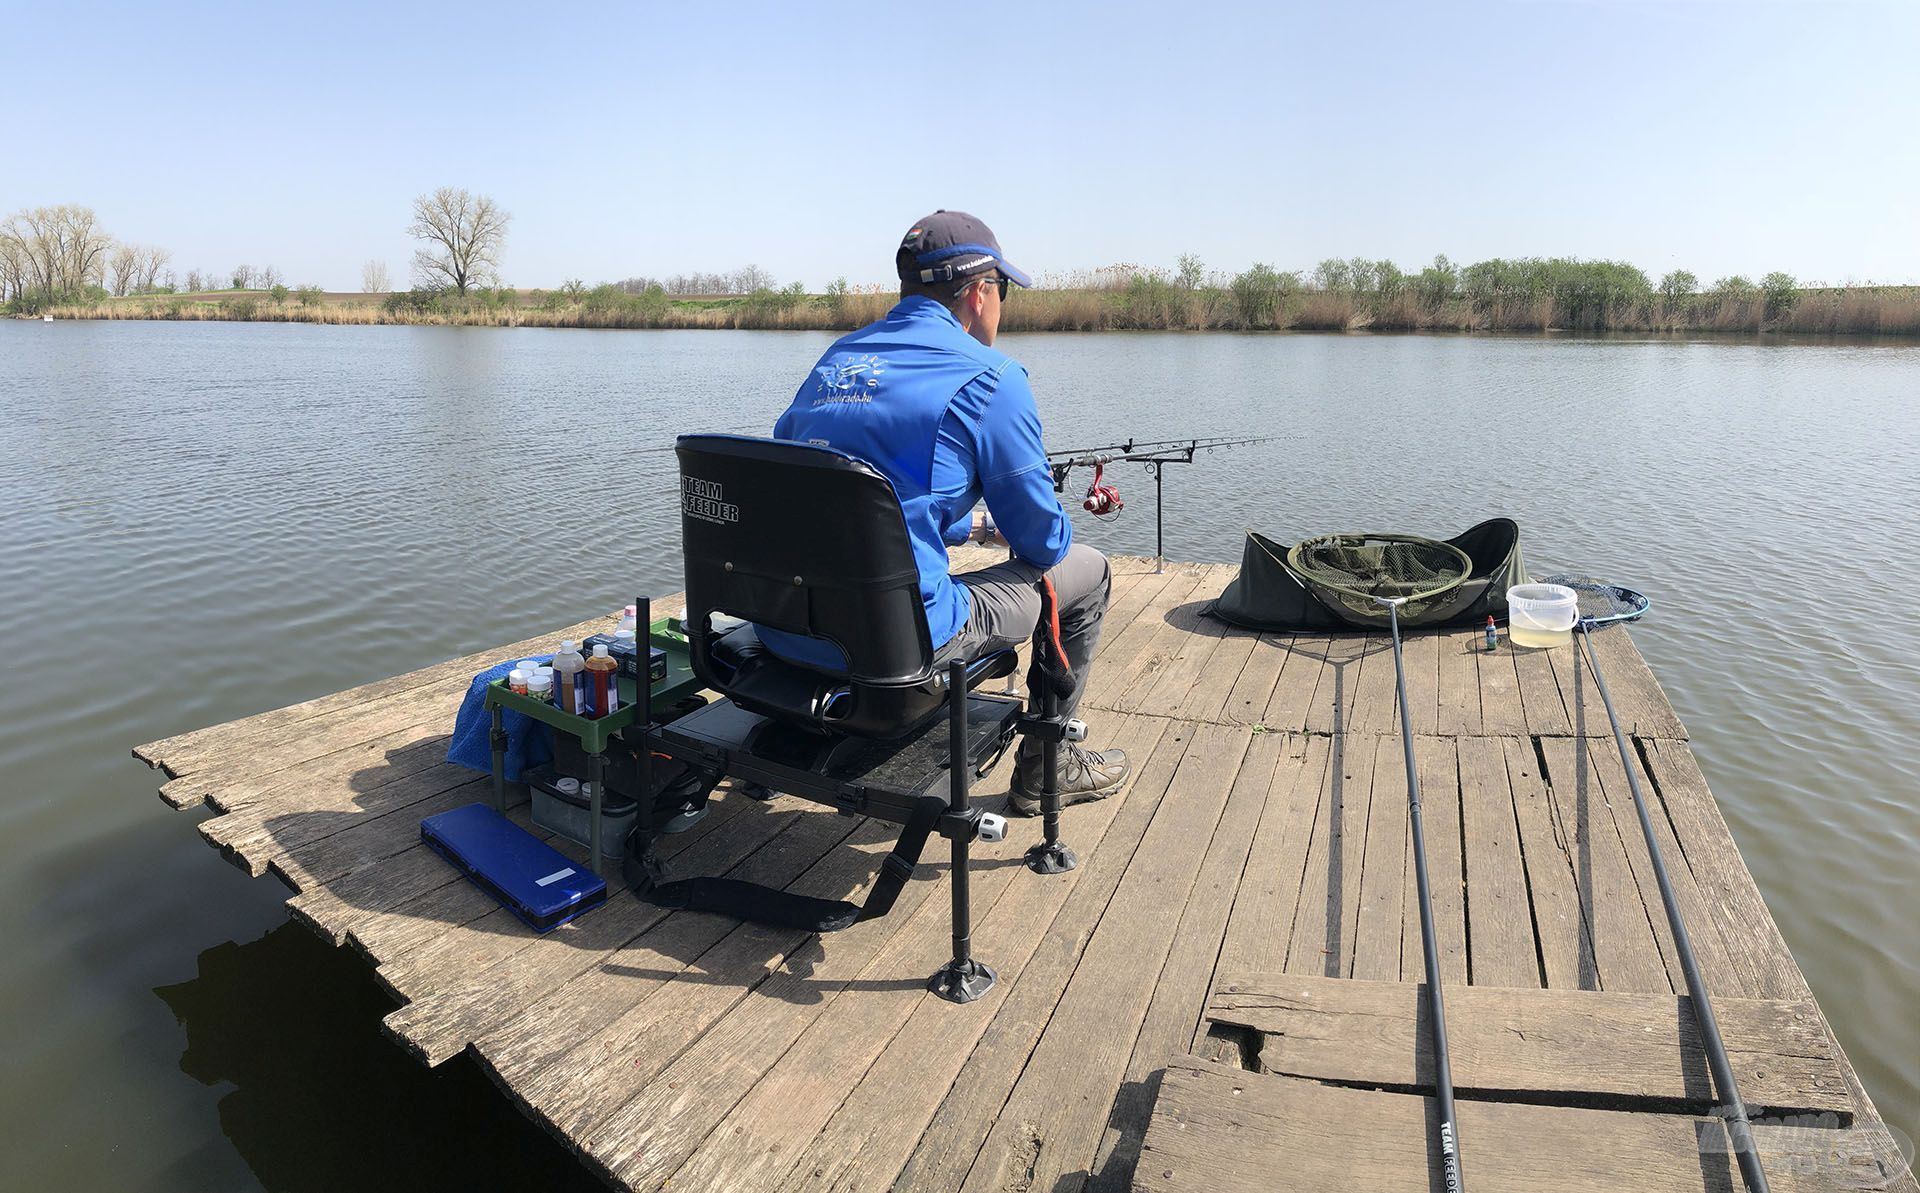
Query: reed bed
[(1136, 300)]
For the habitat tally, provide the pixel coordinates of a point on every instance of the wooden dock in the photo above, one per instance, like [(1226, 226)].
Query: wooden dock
[(1222, 996)]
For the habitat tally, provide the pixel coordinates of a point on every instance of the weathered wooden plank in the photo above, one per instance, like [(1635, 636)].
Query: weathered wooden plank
[(756, 1144), (595, 1043), (1207, 700), (1540, 701), (364, 839), (1642, 704), (1133, 656), (1334, 697), (398, 754), (1708, 949), (435, 911), (1222, 1130), (1759, 953), (280, 752), (1440, 810), (1458, 712), (1323, 924), (1246, 701), (1570, 1045), (1501, 710), (1052, 1122), (666, 994), (1559, 923), (648, 1138), (1264, 905), (1624, 946), (465, 982), (1385, 890), (1179, 650), (1421, 651), (1179, 998), (944, 1075), (254, 836), (1376, 706), (1500, 922), (1291, 705), (183, 751)]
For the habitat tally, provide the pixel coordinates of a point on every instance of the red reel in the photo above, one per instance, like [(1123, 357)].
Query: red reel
[(1102, 498)]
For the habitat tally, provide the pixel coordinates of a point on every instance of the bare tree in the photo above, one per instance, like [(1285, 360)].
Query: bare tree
[(243, 277), (123, 264), (269, 278), (464, 234), (63, 249), (146, 273), (13, 268), (373, 277)]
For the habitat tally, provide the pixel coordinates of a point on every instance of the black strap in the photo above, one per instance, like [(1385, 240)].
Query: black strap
[(750, 901)]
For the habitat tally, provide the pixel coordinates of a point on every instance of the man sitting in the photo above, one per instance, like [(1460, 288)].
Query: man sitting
[(924, 398)]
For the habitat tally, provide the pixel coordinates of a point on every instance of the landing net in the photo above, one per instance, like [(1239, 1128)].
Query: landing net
[(1352, 570), (1601, 603)]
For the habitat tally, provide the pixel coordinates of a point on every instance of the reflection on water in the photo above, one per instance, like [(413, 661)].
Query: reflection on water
[(205, 521)]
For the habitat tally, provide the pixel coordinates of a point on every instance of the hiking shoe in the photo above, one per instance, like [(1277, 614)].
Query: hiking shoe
[(1085, 775)]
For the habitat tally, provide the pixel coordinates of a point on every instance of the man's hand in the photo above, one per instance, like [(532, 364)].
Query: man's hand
[(984, 531)]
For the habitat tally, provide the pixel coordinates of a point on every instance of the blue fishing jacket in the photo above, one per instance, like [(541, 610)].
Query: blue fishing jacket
[(949, 421)]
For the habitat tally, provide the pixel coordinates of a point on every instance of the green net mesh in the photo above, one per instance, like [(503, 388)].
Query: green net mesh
[(1354, 570)]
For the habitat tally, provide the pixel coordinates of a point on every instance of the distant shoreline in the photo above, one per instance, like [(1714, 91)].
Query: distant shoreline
[(1862, 311)]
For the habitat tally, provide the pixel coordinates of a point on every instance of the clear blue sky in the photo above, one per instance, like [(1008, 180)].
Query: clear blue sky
[(1721, 136)]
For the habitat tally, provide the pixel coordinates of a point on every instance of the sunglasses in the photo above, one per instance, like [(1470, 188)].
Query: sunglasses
[(1004, 283)]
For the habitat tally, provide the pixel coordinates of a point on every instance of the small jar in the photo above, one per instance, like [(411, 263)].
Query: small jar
[(517, 682), (567, 786), (540, 684)]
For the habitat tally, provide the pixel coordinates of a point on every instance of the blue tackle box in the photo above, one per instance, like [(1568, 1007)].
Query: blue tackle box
[(530, 878)]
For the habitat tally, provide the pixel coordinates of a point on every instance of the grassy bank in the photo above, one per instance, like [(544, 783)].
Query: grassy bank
[(1578, 297)]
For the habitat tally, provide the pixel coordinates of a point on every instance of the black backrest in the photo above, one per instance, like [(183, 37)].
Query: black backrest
[(803, 539)]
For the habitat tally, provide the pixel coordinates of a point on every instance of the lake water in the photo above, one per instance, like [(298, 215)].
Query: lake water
[(202, 521)]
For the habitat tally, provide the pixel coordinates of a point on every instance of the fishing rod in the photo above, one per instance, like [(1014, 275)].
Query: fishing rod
[(1442, 1063), (1600, 605), (1102, 498)]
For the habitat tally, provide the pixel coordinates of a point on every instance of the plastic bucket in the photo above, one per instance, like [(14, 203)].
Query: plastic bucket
[(1541, 614)]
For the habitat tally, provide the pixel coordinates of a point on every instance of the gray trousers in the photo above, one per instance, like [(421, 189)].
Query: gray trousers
[(1006, 607)]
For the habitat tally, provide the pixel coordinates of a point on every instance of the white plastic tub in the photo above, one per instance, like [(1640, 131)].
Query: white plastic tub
[(1541, 615)]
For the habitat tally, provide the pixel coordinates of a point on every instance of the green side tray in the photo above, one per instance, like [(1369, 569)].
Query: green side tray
[(594, 732)]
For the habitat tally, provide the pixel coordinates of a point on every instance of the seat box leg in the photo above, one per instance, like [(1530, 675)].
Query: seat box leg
[(1050, 856), (964, 978)]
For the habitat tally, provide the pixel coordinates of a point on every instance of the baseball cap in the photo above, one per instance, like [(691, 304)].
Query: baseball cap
[(952, 246)]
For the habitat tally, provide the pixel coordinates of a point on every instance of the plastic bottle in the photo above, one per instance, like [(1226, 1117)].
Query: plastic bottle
[(602, 682), (540, 683), (629, 618), (568, 688), (517, 682), (1493, 635)]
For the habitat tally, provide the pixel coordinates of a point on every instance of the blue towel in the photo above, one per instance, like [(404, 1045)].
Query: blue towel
[(529, 743)]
